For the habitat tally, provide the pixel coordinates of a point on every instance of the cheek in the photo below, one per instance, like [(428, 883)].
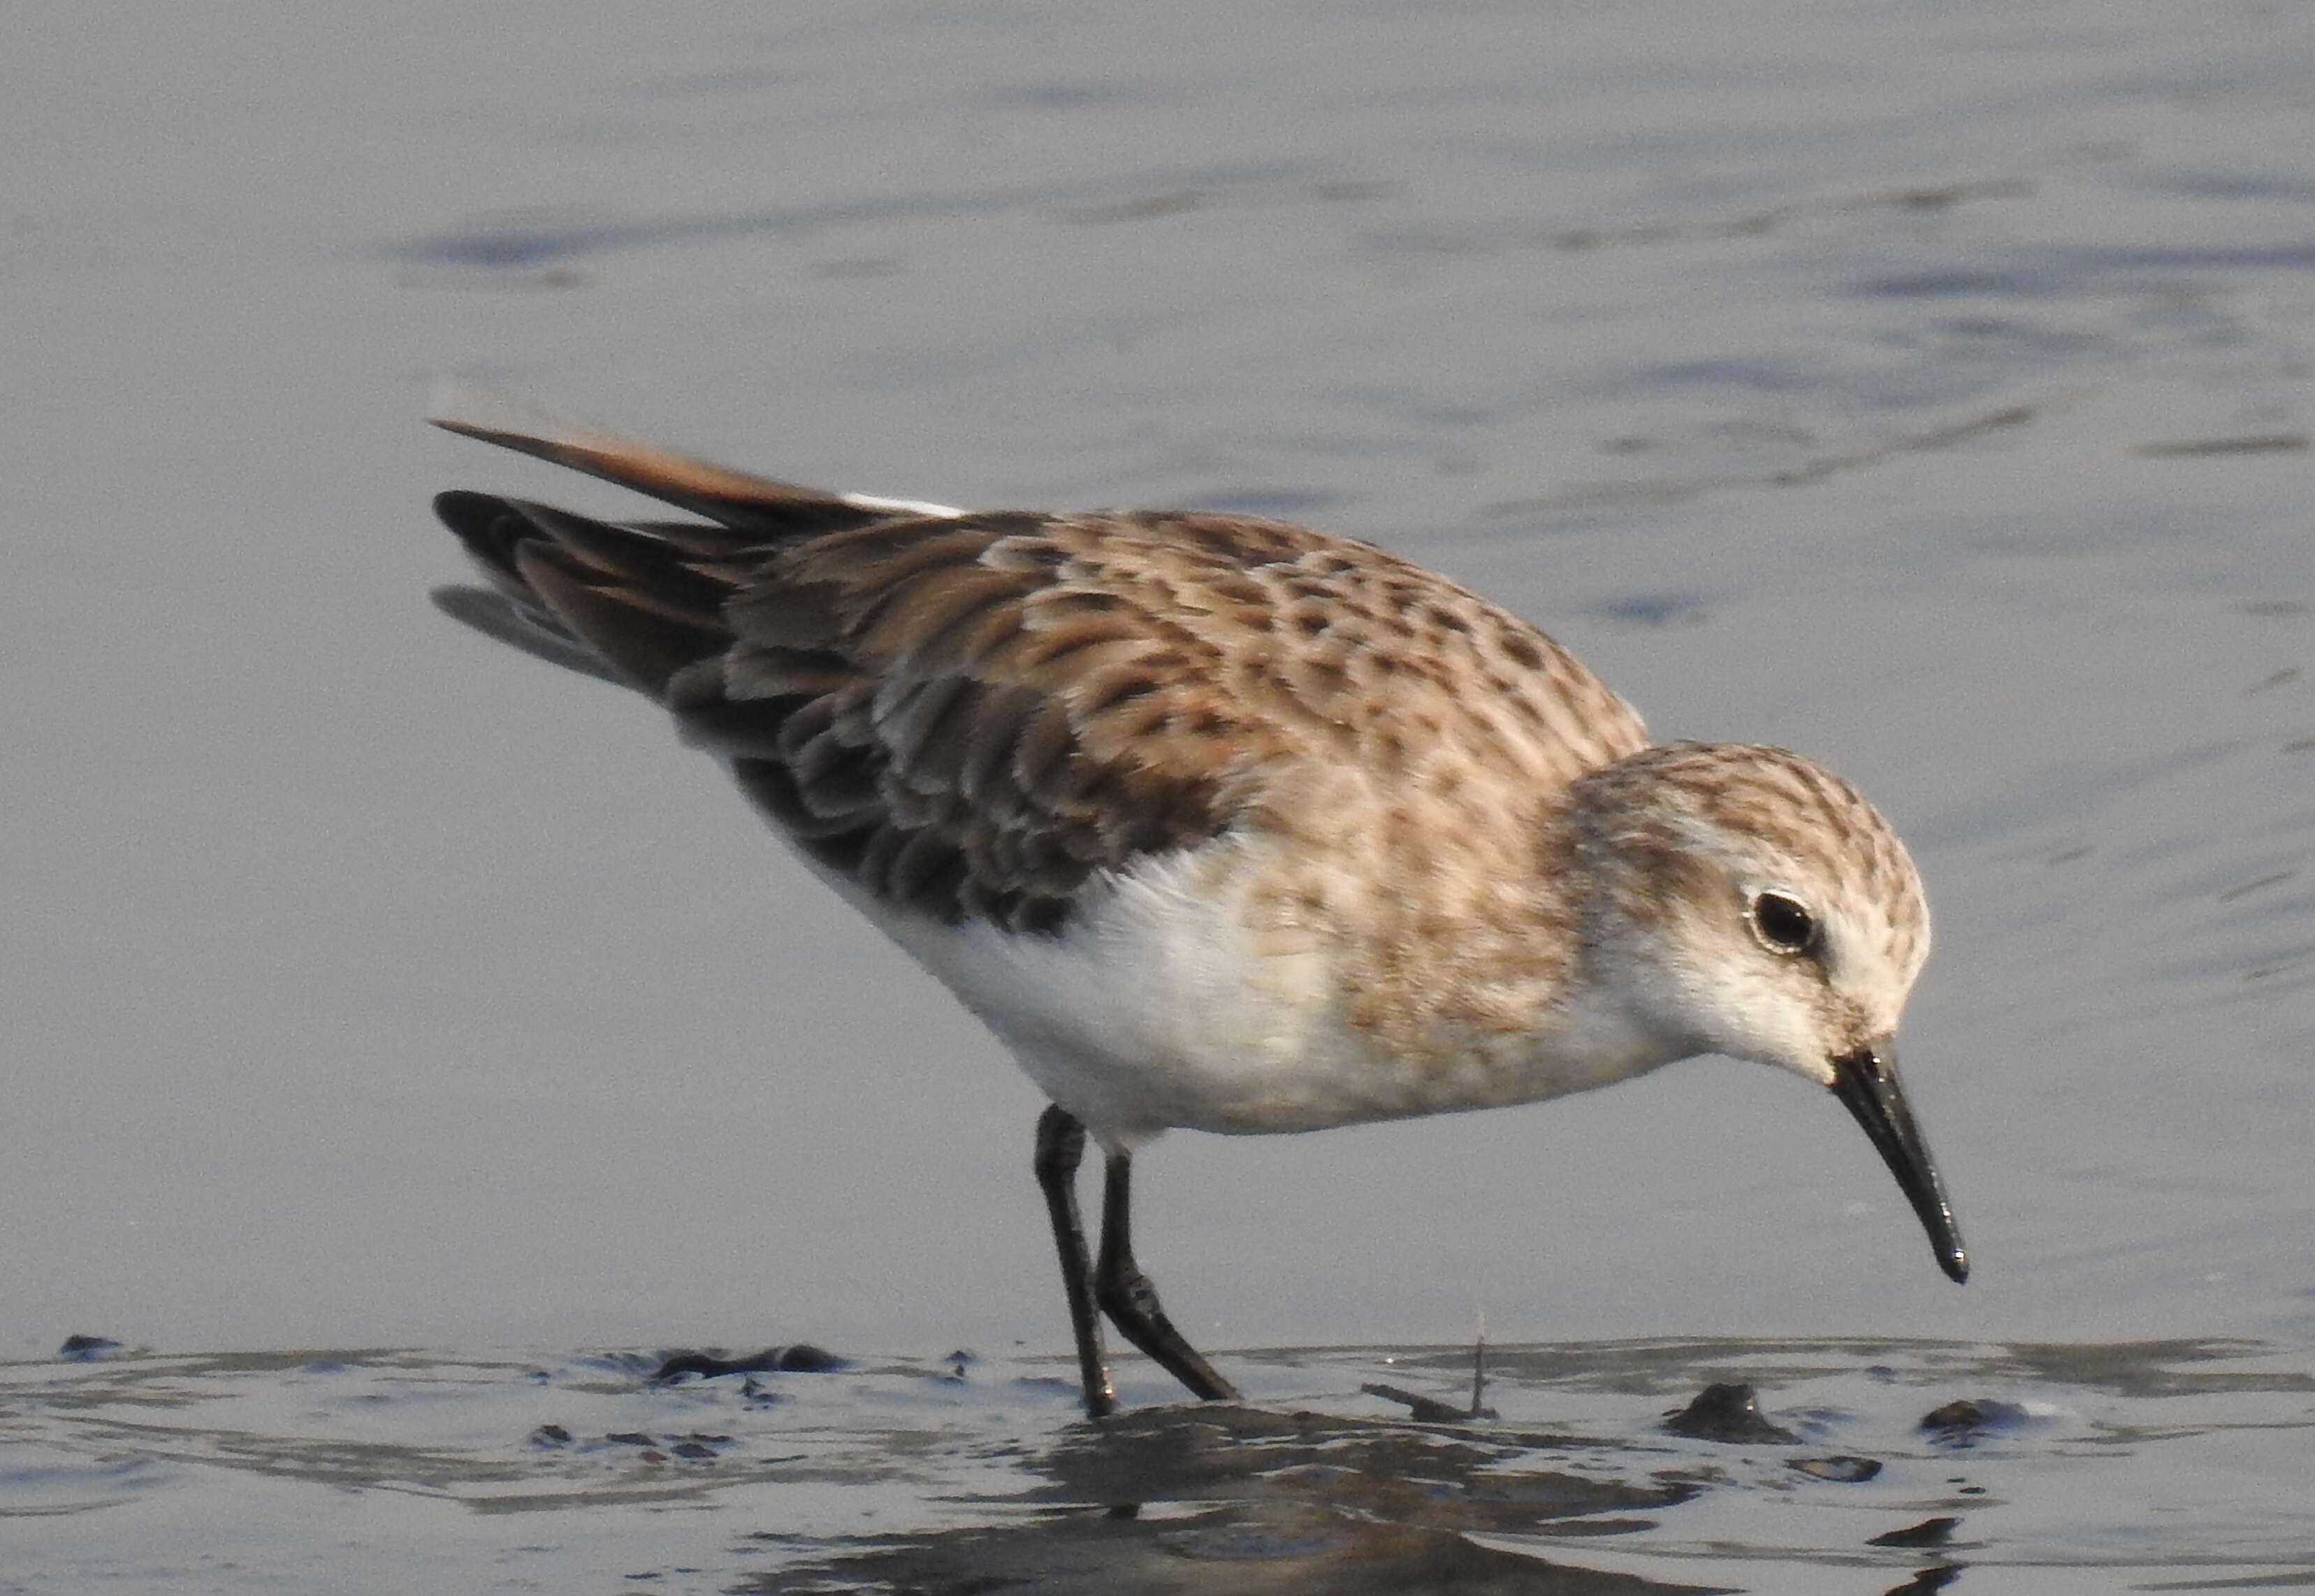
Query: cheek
[(1763, 1013), (1790, 1033)]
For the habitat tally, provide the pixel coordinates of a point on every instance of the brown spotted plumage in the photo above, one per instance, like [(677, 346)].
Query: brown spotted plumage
[(1222, 822), (972, 716)]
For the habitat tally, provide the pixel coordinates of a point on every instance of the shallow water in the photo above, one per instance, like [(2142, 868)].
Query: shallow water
[(2151, 1466), (1923, 389)]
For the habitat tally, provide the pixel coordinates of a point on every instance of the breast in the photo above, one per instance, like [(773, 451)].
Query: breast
[(1177, 997)]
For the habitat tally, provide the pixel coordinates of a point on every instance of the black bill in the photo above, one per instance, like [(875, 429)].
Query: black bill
[(1865, 1082)]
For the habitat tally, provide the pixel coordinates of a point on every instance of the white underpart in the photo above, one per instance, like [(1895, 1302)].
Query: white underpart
[(919, 507), (1159, 1007), (1151, 1010), (1155, 1008)]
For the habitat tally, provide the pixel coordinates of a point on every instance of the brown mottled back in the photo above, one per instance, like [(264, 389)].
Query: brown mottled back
[(975, 715)]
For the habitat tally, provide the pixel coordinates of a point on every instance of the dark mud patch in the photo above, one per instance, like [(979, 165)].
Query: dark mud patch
[(1728, 1411), (803, 1358)]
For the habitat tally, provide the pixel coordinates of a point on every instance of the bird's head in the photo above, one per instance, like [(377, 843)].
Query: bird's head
[(1747, 901)]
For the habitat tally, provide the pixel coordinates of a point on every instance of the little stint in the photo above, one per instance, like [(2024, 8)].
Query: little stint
[(1220, 822)]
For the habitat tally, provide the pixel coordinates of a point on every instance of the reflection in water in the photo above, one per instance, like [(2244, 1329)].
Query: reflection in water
[(1928, 1579), (1226, 1499), (1215, 1554)]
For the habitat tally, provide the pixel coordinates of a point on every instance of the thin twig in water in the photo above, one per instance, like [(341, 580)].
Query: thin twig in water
[(1422, 1409), (1479, 1370)]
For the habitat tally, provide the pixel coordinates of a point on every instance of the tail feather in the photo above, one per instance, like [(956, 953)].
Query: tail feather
[(632, 603)]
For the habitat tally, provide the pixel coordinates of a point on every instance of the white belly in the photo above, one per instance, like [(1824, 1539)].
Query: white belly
[(1159, 1007), (1162, 1006)]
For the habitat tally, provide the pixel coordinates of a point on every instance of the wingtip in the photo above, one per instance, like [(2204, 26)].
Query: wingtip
[(490, 612), (462, 509), (464, 601), (466, 408)]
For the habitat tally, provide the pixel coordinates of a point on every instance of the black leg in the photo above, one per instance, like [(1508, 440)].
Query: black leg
[(1061, 1146), (1131, 1301)]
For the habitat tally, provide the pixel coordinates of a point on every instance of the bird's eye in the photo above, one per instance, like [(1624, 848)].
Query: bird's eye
[(1784, 924)]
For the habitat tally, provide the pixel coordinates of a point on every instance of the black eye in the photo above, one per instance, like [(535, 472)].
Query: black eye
[(1783, 924)]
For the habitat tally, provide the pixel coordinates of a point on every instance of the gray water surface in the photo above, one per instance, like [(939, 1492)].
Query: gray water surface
[(2152, 1466), (1927, 388)]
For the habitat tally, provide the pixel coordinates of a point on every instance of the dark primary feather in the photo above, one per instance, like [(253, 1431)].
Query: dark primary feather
[(875, 690)]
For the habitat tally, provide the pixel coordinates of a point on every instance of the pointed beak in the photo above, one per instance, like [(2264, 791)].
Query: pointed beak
[(1865, 1082)]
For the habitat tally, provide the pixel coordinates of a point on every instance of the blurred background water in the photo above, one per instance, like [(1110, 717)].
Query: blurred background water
[(1927, 388)]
